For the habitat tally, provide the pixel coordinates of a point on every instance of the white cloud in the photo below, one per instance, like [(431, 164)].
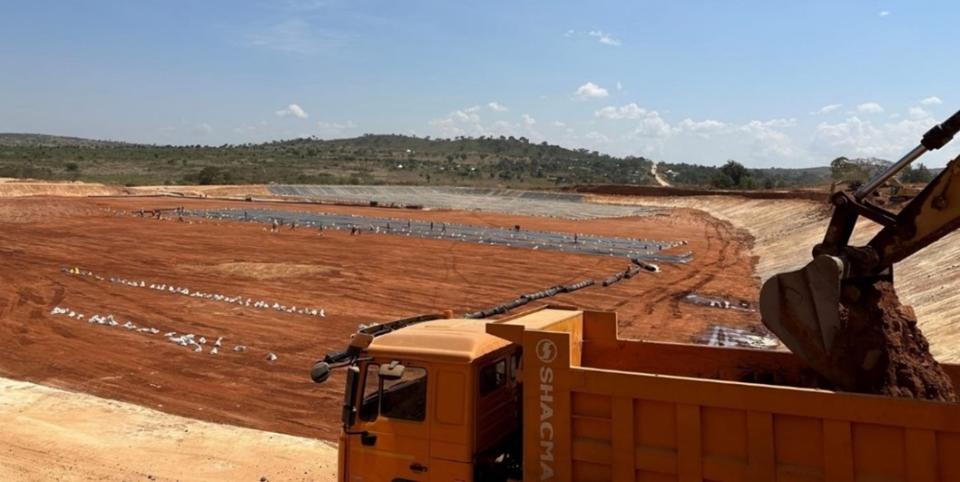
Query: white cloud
[(650, 125), (870, 108), (468, 114), (604, 38), (460, 122), (293, 110), (762, 142), (769, 141), (703, 128), (569, 33), (851, 137), (933, 100), (468, 122), (864, 138), (631, 129), (918, 113), (628, 111), (706, 125), (590, 91), (827, 109), (884, 13), (619, 85), (497, 107), (653, 126), (777, 123)]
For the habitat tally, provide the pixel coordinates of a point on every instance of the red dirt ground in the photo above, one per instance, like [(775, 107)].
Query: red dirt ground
[(356, 279)]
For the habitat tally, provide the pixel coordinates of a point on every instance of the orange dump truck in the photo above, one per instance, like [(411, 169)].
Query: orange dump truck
[(554, 395)]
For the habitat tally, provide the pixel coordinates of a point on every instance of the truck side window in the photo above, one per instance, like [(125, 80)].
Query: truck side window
[(369, 405), (493, 376), (403, 399)]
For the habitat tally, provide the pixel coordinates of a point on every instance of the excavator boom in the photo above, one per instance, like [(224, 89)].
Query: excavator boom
[(804, 307)]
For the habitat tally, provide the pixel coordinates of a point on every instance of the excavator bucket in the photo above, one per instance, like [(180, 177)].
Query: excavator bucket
[(803, 308)]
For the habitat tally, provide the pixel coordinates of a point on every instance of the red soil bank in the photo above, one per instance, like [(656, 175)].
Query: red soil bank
[(887, 343)]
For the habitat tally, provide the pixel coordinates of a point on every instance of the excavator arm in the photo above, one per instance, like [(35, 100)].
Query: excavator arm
[(803, 307), (928, 217), (931, 215)]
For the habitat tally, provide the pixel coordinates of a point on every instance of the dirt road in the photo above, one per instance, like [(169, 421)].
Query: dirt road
[(356, 279), (656, 175)]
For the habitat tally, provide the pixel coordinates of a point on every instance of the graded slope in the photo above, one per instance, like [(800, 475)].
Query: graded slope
[(53, 434)]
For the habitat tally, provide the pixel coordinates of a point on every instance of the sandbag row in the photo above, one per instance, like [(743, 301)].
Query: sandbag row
[(179, 290)]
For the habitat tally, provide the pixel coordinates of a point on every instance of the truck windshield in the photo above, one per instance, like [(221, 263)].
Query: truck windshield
[(403, 399)]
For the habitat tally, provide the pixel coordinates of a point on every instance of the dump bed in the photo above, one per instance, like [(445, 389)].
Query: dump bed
[(600, 408)]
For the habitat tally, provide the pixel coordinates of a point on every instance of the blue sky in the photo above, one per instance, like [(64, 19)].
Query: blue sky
[(769, 83)]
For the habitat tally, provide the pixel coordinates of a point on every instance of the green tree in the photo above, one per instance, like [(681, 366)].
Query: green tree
[(844, 170), (920, 174), (733, 175), (213, 175)]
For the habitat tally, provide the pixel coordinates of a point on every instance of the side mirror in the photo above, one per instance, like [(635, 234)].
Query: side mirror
[(393, 371), (320, 372), (349, 414)]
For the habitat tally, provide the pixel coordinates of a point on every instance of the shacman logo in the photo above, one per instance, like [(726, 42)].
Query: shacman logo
[(547, 353), (546, 350)]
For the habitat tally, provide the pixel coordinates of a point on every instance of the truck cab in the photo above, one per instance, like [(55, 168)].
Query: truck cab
[(554, 394), (436, 400)]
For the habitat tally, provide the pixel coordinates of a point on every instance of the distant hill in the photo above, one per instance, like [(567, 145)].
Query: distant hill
[(377, 159), (694, 175), (840, 169), (44, 140), (368, 159)]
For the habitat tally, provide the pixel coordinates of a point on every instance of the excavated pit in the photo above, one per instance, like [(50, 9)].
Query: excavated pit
[(884, 345)]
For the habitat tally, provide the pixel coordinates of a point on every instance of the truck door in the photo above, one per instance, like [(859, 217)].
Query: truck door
[(394, 440)]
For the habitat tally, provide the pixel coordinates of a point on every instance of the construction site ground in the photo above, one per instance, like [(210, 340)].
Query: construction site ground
[(143, 384), (355, 279)]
